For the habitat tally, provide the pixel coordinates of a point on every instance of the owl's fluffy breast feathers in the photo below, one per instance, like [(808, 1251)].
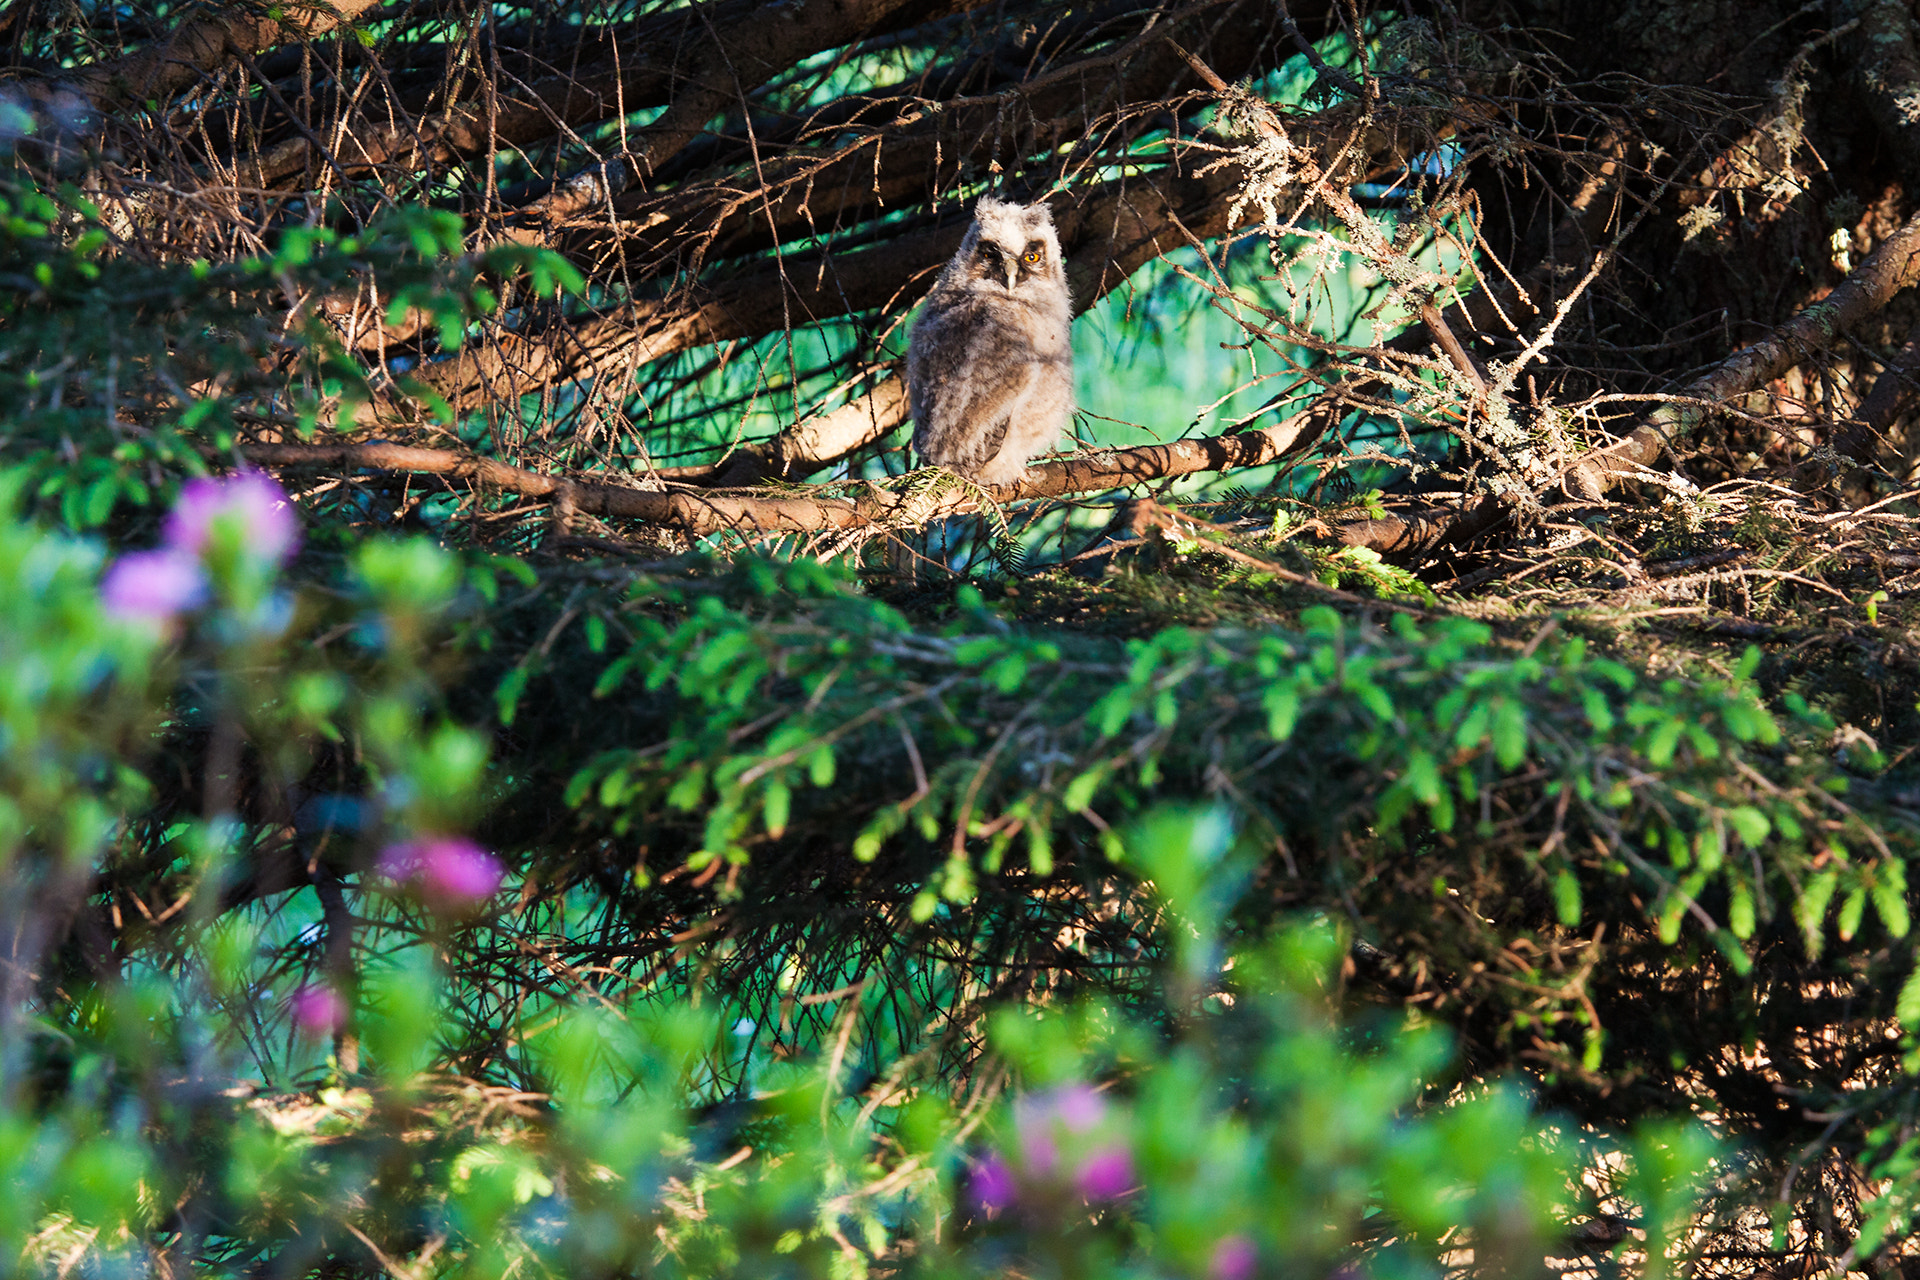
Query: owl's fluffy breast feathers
[(990, 362)]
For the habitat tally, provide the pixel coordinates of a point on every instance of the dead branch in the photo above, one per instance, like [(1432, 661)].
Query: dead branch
[(691, 512), (203, 45), (1115, 229), (698, 513), (1895, 393), (1891, 267), (1885, 70)]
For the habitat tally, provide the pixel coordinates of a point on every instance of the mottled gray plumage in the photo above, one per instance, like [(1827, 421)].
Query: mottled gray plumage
[(990, 362)]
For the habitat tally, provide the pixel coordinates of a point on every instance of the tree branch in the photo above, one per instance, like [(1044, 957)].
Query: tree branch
[(1891, 267), (813, 443), (1895, 393), (203, 45), (1108, 235), (733, 59), (699, 513)]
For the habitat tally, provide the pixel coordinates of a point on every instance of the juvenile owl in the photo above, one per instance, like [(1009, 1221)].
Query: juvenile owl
[(990, 362)]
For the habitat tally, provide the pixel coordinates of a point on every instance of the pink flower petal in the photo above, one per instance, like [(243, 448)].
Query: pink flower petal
[(270, 529), (1106, 1174), (1040, 1119), (152, 586), (317, 1010), (1234, 1258), (1079, 1107), (450, 872), (992, 1184)]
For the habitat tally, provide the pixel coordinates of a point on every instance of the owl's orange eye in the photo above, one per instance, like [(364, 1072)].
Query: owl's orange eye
[(1030, 257)]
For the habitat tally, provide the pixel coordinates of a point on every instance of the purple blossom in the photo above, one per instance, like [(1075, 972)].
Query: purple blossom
[(157, 586), (1039, 1118), (450, 872), (992, 1184), (317, 1010), (152, 586), (252, 500), (1078, 1106), (1106, 1174), (1038, 1152), (1234, 1258)]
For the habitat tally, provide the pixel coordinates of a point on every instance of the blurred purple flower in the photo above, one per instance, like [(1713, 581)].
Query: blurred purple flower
[(1038, 1119), (1079, 1106), (152, 586), (1038, 1154), (317, 1010), (1106, 1174), (449, 871), (270, 530), (1234, 1258), (992, 1184)]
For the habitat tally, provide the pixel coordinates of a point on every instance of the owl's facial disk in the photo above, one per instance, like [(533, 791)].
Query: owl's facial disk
[(995, 262)]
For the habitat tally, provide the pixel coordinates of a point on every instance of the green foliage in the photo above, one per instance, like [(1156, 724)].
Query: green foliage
[(778, 845), (1260, 1124), (120, 373), (76, 703), (1411, 731), (1251, 1105)]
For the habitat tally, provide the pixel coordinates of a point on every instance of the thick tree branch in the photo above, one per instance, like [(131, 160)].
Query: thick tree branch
[(1108, 235), (680, 57), (700, 513), (1885, 70), (1894, 394), (813, 443), (1891, 267), (691, 512), (203, 45)]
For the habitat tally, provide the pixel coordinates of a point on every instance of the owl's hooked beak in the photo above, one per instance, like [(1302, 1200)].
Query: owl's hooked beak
[(1013, 269)]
